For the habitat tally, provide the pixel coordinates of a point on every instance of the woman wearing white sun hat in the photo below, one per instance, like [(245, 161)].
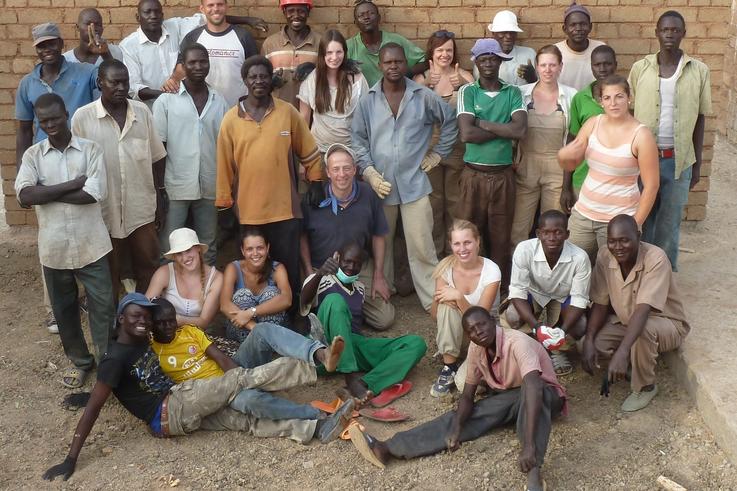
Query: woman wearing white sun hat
[(192, 287), (520, 70)]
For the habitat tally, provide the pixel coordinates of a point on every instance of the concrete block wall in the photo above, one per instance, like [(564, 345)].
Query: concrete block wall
[(628, 25)]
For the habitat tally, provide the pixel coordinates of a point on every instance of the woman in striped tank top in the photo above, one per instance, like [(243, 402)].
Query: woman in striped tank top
[(619, 150)]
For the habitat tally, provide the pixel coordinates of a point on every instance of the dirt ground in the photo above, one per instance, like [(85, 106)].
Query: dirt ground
[(595, 447)]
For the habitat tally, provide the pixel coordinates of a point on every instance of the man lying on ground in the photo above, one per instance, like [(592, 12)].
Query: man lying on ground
[(131, 371), (519, 372)]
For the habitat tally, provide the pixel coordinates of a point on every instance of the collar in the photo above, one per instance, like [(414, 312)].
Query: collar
[(285, 39), (652, 60), (101, 112), (64, 67), (527, 89), (410, 86), (183, 90), (243, 114), (333, 202), (503, 85), (143, 39), (565, 254), (499, 343), (46, 146), (639, 263)]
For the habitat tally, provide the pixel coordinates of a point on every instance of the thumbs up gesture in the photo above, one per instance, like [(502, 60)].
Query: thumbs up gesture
[(527, 72), (434, 76), (455, 78)]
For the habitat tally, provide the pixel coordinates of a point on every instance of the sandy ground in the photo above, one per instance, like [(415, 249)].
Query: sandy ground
[(595, 447)]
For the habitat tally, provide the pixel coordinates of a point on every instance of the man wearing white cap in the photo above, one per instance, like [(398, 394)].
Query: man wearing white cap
[(520, 69)]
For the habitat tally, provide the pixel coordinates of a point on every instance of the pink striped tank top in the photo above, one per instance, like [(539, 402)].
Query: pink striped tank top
[(610, 188)]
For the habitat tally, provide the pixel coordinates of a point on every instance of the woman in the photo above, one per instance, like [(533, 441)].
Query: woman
[(539, 177), (619, 150), (188, 283), (255, 288), (445, 77), (462, 280), (330, 93)]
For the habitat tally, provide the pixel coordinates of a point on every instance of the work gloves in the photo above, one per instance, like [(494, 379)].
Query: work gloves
[(430, 161), (381, 187)]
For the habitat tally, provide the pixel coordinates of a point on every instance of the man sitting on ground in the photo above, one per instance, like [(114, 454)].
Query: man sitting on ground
[(634, 279), (186, 353), (131, 371), (338, 295), (550, 276), (525, 390)]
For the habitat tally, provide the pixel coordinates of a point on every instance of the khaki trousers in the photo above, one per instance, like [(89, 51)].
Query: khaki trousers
[(203, 403), (659, 335), (451, 338), (417, 223), (587, 234), (552, 314), (378, 314), (445, 180), (540, 181)]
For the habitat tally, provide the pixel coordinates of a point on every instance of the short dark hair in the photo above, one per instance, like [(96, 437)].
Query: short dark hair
[(625, 220), (45, 101), (164, 306), (256, 60), (604, 48), (195, 47), (389, 46), (352, 244), (553, 215), (363, 2), (671, 13), (476, 309), (108, 65)]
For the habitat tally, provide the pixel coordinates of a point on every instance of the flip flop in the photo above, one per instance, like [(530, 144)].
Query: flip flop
[(73, 378), (387, 415), (391, 394), (346, 435), (331, 407), (362, 442)]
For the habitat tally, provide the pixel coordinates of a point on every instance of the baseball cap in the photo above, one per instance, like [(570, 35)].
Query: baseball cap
[(339, 146), (573, 8), (487, 46), (504, 21), (44, 32), (134, 298)]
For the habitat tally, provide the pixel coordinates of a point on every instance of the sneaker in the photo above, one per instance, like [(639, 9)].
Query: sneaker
[(50, 324), (316, 330), (445, 383), (638, 400)]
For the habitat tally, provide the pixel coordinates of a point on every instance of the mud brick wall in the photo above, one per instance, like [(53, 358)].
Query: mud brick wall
[(628, 25)]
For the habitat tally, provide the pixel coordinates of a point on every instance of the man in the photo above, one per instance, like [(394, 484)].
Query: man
[(524, 389), (391, 133), (369, 365), (351, 213), (64, 177), (550, 276), (520, 69), (188, 123), (228, 45), (634, 280), (294, 44), (366, 45), (92, 49), (186, 353), (577, 47), (151, 52), (584, 105), (491, 115), (134, 161), (130, 370), (256, 176), (672, 94)]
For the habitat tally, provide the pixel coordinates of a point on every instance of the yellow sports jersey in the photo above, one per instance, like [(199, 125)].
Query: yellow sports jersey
[(184, 358)]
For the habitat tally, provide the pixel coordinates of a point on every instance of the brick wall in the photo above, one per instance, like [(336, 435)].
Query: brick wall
[(628, 25)]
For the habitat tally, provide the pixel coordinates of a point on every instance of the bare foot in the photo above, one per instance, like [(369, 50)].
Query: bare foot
[(358, 388), (332, 357)]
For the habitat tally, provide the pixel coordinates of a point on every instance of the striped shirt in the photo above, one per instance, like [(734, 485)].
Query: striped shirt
[(610, 188), (284, 55)]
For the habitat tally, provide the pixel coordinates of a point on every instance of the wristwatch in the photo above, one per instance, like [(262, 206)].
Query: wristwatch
[(253, 311)]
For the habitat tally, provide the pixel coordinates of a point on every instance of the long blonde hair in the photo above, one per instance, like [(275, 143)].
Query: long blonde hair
[(449, 262), (203, 274)]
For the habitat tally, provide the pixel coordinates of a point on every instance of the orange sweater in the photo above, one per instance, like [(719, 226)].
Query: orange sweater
[(255, 164)]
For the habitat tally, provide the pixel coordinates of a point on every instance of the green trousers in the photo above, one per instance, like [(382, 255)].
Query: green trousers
[(386, 361)]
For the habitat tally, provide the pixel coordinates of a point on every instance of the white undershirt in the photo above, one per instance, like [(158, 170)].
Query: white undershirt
[(667, 109)]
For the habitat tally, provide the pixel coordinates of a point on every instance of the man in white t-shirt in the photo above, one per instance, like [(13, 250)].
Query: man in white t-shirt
[(577, 47), (228, 47), (519, 70)]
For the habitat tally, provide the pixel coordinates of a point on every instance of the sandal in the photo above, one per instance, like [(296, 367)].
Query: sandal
[(73, 378), (561, 365), (386, 415), (391, 394)]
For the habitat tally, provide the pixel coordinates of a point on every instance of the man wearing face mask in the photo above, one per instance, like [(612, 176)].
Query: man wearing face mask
[(370, 365)]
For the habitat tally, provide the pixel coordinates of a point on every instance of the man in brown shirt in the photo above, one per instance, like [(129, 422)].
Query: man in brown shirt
[(635, 278)]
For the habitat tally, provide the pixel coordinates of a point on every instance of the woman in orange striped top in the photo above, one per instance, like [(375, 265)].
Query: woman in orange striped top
[(619, 150)]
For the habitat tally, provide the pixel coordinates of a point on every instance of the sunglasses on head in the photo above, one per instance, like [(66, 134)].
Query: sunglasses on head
[(444, 34)]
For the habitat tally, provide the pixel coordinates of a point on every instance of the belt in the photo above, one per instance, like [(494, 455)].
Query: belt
[(666, 153), (488, 169), (165, 416)]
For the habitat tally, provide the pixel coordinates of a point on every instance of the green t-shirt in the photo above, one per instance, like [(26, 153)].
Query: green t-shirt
[(583, 106), (370, 61), (496, 107)]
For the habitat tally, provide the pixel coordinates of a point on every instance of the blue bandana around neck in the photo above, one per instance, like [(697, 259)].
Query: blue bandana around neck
[(333, 201)]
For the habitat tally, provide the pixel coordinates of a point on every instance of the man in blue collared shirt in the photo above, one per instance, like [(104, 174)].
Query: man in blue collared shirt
[(188, 123), (392, 129)]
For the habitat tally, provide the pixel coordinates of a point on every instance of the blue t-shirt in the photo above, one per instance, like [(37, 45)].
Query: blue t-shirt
[(76, 84)]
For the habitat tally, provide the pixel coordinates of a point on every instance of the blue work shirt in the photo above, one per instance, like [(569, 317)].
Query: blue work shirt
[(76, 84), (396, 146)]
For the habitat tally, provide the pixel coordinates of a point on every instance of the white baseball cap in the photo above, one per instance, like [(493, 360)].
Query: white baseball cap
[(504, 21)]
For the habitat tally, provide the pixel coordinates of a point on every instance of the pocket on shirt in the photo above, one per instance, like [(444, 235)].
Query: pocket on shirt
[(139, 150)]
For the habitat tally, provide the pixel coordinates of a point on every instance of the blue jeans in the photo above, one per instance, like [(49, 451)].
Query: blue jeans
[(663, 226), (204, 216), (259, 348)]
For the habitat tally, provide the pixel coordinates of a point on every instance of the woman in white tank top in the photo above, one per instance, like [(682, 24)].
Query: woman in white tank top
[(192, 287)]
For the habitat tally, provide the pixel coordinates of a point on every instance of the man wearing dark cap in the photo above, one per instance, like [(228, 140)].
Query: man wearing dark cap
[(491, 115), (577, 47)]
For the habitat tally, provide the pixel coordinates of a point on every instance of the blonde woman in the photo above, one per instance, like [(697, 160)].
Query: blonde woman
[(188, 283), (462, 280)]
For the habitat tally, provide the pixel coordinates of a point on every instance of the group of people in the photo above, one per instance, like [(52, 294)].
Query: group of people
[(541, 192)]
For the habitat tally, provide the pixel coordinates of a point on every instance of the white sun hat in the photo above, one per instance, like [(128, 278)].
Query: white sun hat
[(182, 239), (504, 21)]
